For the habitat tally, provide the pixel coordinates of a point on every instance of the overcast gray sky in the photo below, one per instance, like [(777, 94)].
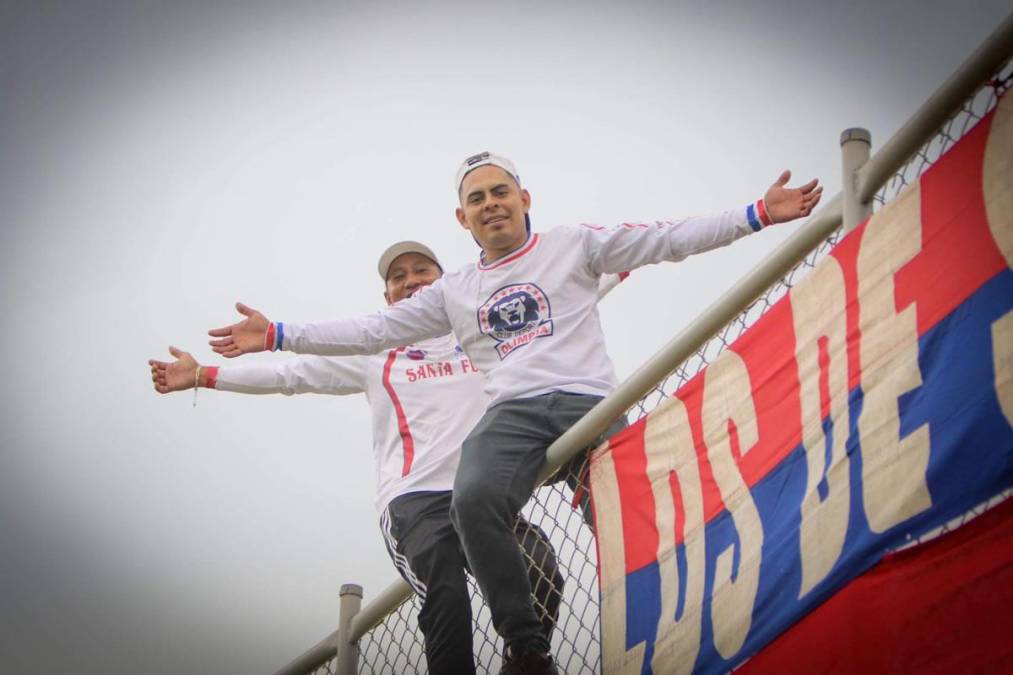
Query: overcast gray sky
[(159, 161)]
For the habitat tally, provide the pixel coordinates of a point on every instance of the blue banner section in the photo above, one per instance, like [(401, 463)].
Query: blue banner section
[(970, 460)]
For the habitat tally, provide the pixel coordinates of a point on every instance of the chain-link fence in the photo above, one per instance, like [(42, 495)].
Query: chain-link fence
[(395, 646), (330, 668), (974, 109)]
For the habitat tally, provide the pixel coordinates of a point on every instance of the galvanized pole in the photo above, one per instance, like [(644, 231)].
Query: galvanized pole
[(856, 145), (348, 651)]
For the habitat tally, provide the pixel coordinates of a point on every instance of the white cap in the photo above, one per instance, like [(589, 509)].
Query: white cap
[(482, 159), (399, 249)]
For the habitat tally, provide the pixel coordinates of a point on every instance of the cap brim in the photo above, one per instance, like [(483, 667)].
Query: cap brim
[(399, 249)]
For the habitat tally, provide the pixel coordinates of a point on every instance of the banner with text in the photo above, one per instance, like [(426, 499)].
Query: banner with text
[(870, 405)]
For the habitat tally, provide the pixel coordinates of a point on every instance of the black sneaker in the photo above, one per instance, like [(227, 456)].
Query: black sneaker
[(527, 661)]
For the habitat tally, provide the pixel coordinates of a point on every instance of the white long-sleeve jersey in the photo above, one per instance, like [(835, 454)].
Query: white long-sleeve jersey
[(424, 400), (529, 320)]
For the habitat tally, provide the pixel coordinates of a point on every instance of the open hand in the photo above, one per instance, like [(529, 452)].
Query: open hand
[(784, 203), (246, 337), (176, 376)]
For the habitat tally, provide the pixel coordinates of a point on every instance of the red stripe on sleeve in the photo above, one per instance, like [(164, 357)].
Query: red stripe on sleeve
[(211, 377), (402, 421)]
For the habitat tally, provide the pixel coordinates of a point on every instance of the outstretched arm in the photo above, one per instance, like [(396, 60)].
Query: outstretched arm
[(419, 317), (178, 375), (633, 245), (305, 375)]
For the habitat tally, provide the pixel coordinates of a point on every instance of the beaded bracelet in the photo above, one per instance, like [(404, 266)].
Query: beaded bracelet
[(196, 385)]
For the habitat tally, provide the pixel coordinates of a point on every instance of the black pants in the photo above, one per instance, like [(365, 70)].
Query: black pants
[(426, 550), (499, 462)]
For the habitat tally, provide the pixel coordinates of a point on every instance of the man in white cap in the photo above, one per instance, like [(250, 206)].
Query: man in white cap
[(525, 313), (424, 400)]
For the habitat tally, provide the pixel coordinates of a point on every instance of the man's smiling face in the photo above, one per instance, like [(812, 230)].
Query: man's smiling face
[(492, 208), (408, 273)]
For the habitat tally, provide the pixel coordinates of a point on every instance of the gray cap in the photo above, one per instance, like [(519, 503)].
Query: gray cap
[(399, 249), (483, 159)]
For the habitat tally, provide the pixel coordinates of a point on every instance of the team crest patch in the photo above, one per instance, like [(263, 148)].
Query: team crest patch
[(515, 315)]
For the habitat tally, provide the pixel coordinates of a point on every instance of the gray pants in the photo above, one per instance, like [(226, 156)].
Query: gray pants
[(499, 462), (426, 551)]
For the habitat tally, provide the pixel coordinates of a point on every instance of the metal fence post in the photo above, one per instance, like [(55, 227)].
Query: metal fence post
[(856, 145), (348, 651)]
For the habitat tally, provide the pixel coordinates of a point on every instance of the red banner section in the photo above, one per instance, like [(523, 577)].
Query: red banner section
[(943, 607), (870, 405)]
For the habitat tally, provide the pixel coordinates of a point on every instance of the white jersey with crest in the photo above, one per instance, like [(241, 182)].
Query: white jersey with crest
[(424, 399), (528, 321)]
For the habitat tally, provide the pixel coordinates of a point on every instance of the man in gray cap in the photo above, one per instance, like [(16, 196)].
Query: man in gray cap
[(526, 315), (424, 400)]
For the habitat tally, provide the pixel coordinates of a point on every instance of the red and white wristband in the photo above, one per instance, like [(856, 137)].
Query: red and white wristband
[(211, 377), (275, 337), (210, 380), (756, 214)]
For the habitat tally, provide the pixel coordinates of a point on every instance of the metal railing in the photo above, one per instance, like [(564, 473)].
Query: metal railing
[(383, 636)]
